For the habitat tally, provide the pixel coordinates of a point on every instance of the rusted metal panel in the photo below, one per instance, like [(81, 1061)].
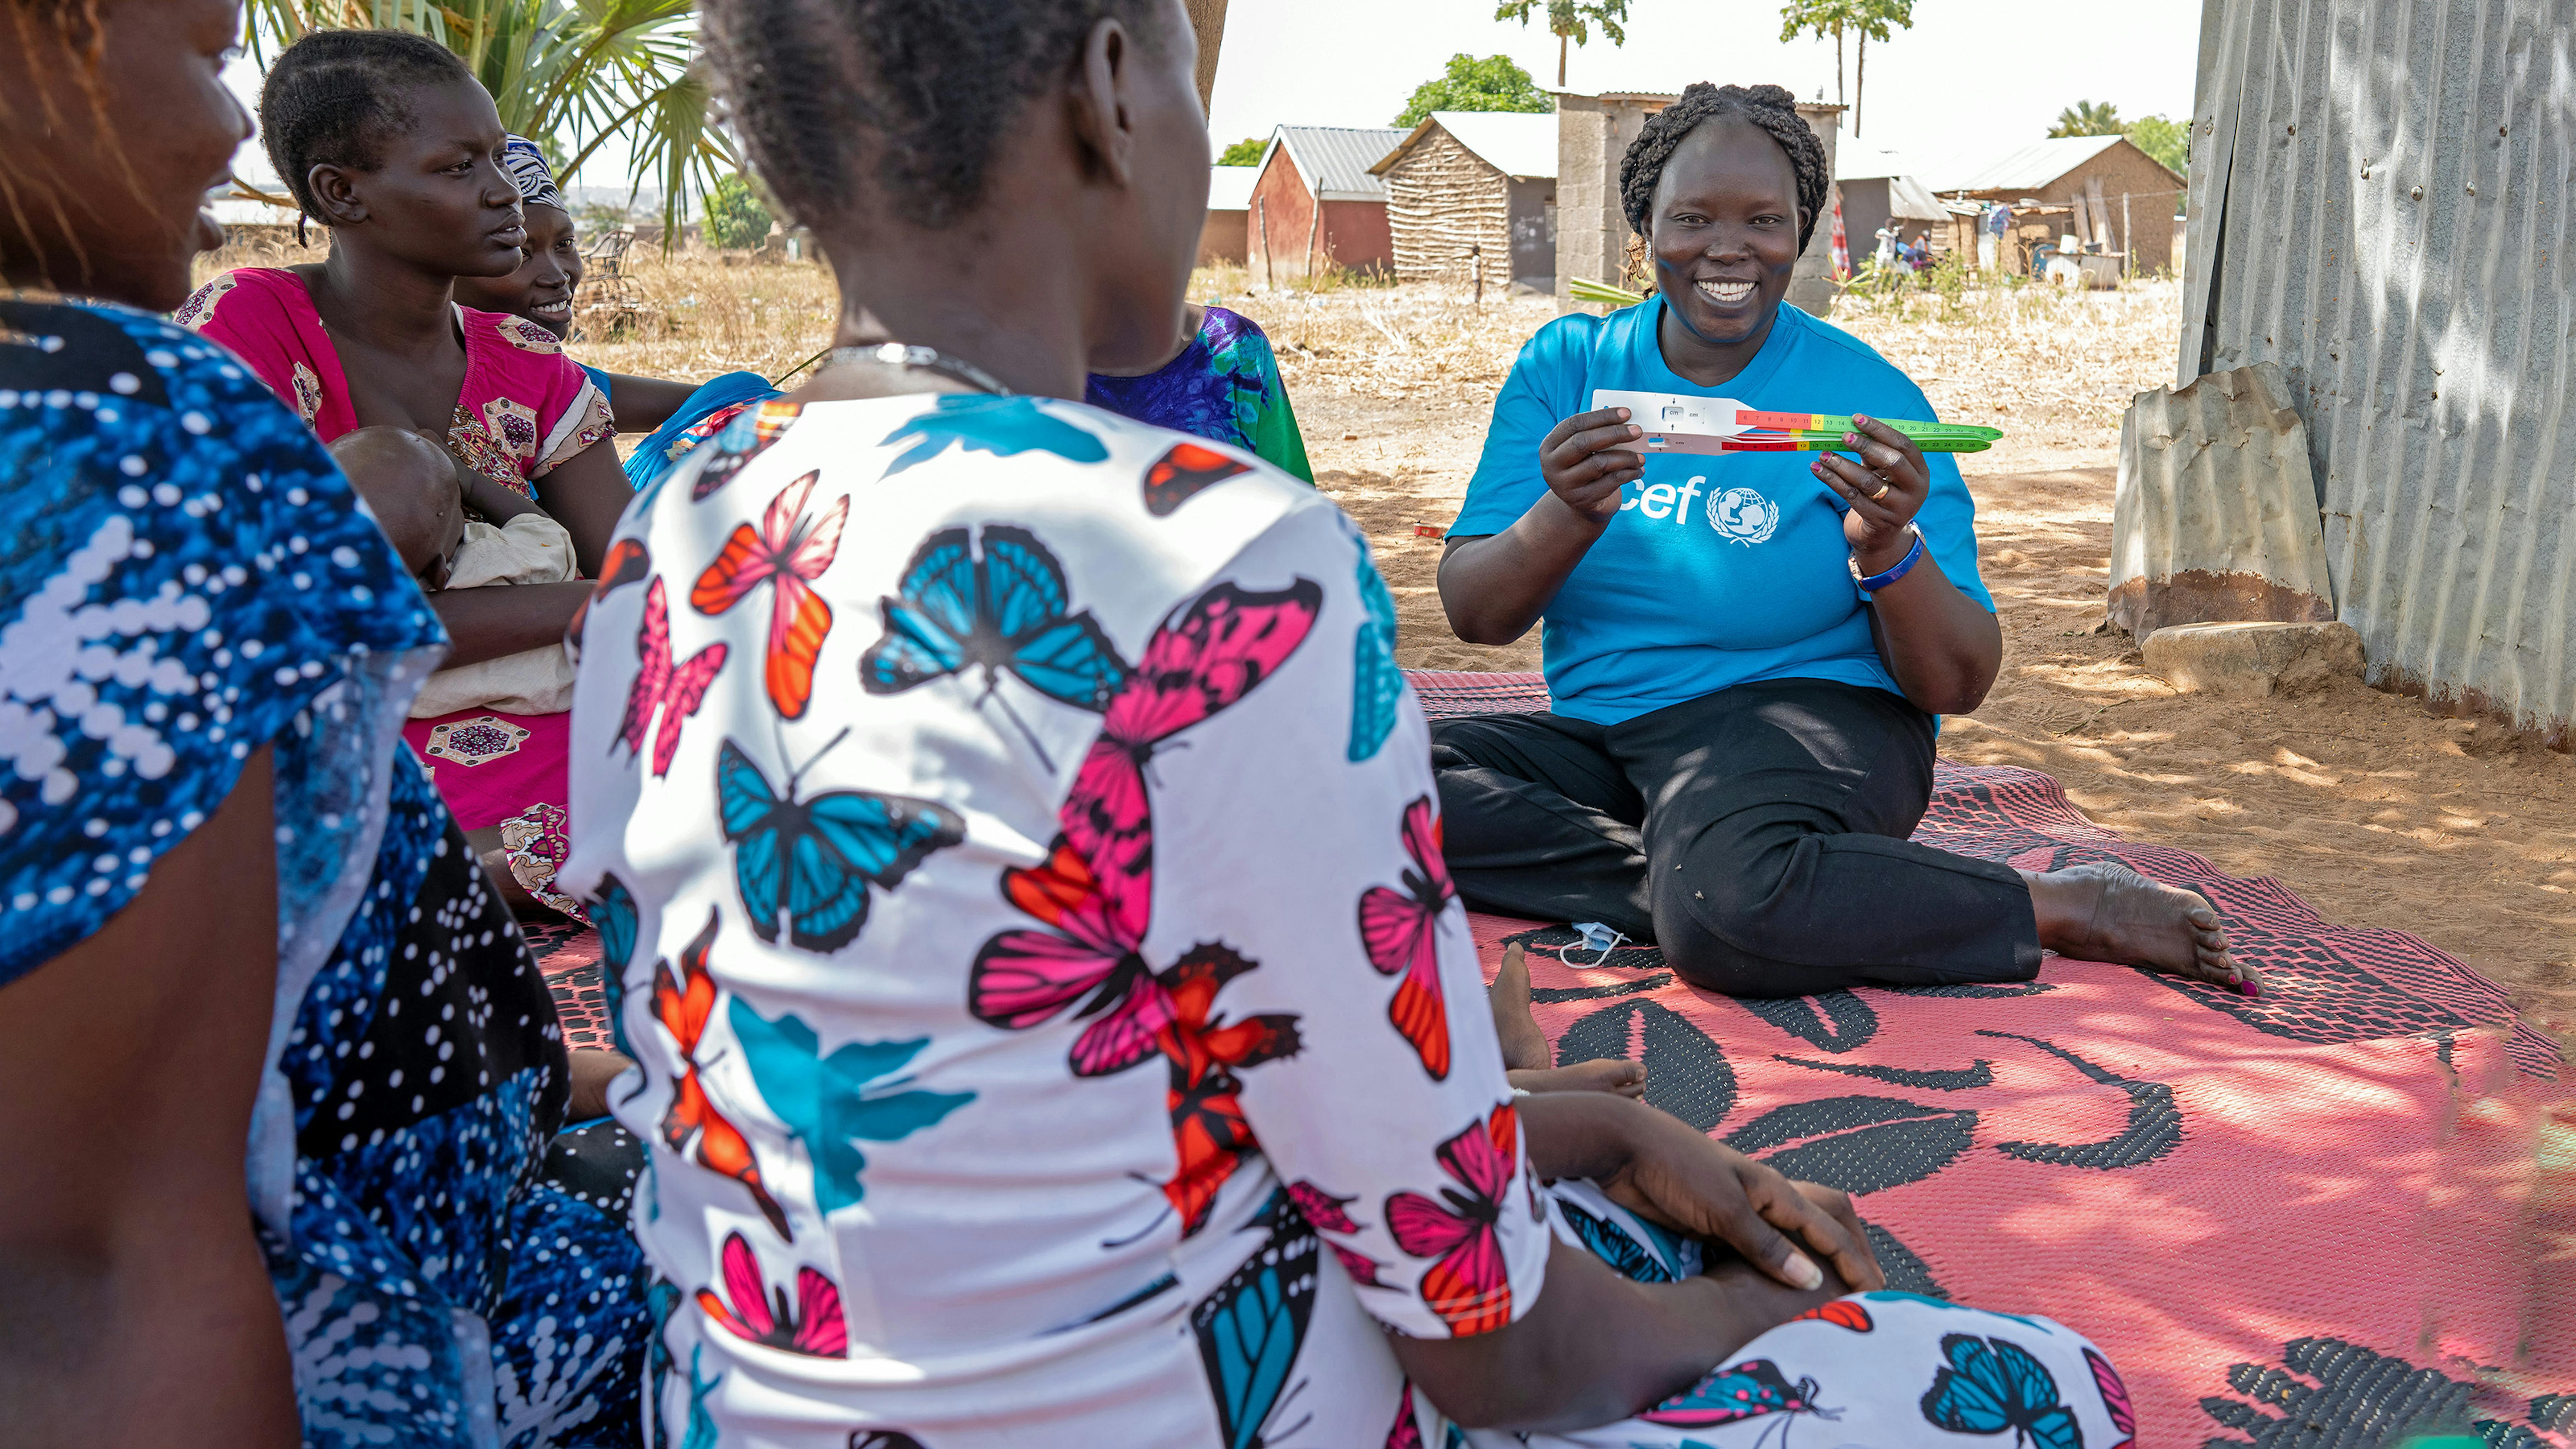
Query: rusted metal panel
[(2216, 517), (2381, 198)]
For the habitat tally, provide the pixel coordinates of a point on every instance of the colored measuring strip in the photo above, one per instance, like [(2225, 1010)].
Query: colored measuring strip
[(1839, 425), (1779, 442)]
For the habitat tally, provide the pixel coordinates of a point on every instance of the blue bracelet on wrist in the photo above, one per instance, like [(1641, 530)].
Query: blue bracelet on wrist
[(1872, 583)]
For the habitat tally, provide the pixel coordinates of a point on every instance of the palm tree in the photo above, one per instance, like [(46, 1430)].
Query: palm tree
[(1869, 19), (568, 74), (2088, 118), (1571, 20)]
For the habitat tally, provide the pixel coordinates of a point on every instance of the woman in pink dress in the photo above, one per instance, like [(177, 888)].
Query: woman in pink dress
[(389, 142)]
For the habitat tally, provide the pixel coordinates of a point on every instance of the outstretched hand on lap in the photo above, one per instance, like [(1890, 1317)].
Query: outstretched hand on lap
[(1686, 1182)]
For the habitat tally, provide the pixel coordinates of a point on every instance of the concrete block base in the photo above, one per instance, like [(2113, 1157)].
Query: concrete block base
[(2252, 659)]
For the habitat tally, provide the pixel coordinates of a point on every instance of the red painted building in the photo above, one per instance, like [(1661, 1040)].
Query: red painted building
[(1316, 205)]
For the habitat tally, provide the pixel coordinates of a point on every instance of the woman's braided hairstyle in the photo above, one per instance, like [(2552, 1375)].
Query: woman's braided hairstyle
[(893, 106), (1770, 108), (335, 95)]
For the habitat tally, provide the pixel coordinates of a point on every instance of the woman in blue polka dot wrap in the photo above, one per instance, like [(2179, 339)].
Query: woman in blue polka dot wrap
[(237, 916)]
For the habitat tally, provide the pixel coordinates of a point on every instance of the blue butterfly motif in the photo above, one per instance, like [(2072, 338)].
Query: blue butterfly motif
[(816, 857), (834, 1102), (1620, 1249), (999, 606), (1377, 686), (614, 914), (1993, 1385), (1250, 1329), (702, 1425), (982, 423)]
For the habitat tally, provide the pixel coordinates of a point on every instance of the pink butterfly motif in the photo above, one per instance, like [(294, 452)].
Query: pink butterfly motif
[(813, 1327), (1211, 653), (1400, 931), (1023, 978), (1325, 1211), (2115, 1398), (676, 691), (789, 552), (1470, 1287)]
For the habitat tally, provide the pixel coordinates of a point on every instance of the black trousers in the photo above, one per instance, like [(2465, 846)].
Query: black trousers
[(1757, 835)]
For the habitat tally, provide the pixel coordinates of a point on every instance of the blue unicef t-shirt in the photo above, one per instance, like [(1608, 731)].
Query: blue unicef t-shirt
[(1717, 570)]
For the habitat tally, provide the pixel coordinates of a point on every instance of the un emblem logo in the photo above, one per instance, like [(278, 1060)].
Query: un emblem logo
[(1743, 515)]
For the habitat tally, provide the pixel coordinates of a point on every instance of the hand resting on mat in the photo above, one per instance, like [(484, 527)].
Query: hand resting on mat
[(1598, 1346)]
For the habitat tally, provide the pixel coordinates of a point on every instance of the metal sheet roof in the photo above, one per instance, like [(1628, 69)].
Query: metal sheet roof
[(2033, 165), (2381, 197), (1335, 160), (1516, 143), (1230, 187)]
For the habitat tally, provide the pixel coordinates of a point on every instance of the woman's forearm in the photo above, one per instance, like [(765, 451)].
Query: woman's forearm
[(645, 403), (1942, 646), (1494, 588), (504, 619)]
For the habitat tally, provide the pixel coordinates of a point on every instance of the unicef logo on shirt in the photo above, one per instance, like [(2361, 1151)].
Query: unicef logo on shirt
[(1743, 515)]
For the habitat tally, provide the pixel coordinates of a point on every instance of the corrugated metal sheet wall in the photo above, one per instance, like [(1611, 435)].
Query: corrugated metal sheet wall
[(2381, 198)]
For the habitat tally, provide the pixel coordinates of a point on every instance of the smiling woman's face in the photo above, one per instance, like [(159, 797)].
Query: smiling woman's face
[(541, 290), (1725, 232)]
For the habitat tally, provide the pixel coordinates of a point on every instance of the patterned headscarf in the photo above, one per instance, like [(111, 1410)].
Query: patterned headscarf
[(527, 166)]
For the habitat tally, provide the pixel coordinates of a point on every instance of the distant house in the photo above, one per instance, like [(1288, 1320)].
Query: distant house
[(1879, 187), (2108, 187), (1222, 239), (1474, 185), (1315, 203)]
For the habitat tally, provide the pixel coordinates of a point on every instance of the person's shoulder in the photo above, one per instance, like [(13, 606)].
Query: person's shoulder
[(511, 331), (1855, 363), (263, 287), (111, 357)]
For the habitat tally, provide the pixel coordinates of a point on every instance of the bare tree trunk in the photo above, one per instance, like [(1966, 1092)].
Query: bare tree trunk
[(1838, 63), (1560, 60), (1860, 82), (1207, 17)]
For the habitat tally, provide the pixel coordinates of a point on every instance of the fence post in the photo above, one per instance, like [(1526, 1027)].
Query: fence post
[(1269, 274), (2128, 240), (1476, 259)]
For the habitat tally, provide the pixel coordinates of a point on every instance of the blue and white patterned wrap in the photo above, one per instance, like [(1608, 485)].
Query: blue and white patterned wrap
[(189, 578)]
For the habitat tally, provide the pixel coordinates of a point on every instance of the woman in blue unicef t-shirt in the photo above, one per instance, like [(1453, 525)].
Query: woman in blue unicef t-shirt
[(1746, 651)]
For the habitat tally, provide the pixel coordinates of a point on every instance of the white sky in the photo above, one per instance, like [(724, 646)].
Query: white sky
[(1973, 77)]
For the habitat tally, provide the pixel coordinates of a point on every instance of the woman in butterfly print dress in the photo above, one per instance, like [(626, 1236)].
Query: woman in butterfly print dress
[(1123, 673), (442, 1269)]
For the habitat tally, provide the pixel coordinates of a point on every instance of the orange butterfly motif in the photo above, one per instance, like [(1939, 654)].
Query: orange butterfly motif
[(789, 551), (692, 1126)]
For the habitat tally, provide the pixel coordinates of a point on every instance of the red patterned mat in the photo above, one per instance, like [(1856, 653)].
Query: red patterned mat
[(2335, 1218)]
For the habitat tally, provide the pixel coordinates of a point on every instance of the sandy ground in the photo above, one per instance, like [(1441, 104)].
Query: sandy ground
[(2378, 812)]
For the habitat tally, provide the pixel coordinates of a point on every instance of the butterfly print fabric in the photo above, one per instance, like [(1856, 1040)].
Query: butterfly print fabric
[(1072, 988)]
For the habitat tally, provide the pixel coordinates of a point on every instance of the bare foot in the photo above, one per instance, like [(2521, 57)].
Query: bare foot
[(1524, 1045), (2107, 912), (1624, 1079)]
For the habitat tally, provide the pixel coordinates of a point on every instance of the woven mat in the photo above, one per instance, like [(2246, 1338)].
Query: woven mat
[(2335, 1218)]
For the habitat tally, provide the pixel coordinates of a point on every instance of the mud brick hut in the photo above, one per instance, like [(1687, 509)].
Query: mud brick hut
[(1224, 237), (1466, 188), (2106, 185), (1315, 205)]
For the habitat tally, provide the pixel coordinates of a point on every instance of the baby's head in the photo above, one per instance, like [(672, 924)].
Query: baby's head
[(410, 484)]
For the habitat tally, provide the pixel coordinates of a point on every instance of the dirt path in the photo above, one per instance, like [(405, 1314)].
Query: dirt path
[(2377, 812)]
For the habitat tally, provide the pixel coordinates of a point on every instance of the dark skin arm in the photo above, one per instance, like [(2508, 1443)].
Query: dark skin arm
[(489, 623), (587, 493), (645, 403), (1942, 646), (134, 1306), (1597, 1347)]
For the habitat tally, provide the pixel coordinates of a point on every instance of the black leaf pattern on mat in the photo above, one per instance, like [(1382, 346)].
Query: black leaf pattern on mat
[(1836, 1021), (1973, 991), (2154, 1128), (2555, 1412), (1686, 1073), (1656, 982), (1906, 1272), (1858, 1144), (1952, 1079), (2329, 1394)]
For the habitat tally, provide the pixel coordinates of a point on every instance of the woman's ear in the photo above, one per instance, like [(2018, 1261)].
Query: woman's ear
[(335, 195), (1102, 105)]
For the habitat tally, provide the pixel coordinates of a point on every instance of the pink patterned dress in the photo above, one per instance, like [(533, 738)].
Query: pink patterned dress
[(523, 410)]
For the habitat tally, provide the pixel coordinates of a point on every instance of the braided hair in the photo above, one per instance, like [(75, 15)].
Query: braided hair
[(335, 95), (894, 106), (1770, 108)]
